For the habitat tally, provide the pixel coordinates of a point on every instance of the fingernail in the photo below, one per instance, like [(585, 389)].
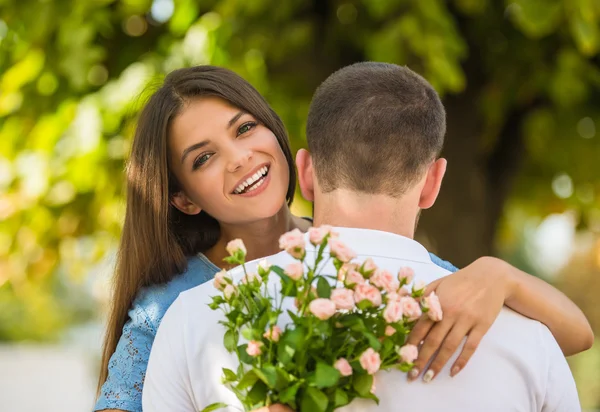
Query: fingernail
[(412, 375), (455, 370), (428, 376)]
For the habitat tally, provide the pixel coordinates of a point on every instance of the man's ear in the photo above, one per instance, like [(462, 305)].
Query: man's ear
[(433, 183), (184, 204), (306, 174)]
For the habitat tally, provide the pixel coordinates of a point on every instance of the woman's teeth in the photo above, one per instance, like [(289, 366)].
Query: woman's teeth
[(251, 181)]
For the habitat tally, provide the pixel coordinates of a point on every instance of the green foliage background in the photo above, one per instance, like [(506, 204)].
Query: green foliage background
[(520, 78)]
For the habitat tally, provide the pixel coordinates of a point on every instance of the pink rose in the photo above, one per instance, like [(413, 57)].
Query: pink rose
[(368, 268), (254, 348), (343, 366), (251, 278), (340, 251), (322, 308), (294, 270), (346, 267), (343, 298), (419, 285), (435, 308), (410, 308), (384, 279), (316, 235), (222, 279), (293, 243), (408, 353), (234, 246), (389, 330), (393, 312), (229, 292), (353, 278), (264, 267), (370, 361), (397, 295), (273, 334), (367, 292), (406, 275)]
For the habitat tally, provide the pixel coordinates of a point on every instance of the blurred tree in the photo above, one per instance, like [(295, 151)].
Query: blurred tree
[(520, 79)]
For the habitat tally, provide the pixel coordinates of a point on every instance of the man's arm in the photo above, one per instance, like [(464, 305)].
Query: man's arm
[(561, 392), (167, 386)]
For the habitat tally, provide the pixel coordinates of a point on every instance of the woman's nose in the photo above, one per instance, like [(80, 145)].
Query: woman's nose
[(239, 159)]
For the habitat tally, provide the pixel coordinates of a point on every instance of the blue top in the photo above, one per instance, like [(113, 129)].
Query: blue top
[(127, 366)]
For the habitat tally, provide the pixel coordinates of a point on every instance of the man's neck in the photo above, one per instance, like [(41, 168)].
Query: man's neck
[(367, 211)]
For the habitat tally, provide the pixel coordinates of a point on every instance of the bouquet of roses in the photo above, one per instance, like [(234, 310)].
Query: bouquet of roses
[(345, 327)]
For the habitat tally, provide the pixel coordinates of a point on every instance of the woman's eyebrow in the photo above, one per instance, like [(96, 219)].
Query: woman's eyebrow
[(235, 118), (193, 147)]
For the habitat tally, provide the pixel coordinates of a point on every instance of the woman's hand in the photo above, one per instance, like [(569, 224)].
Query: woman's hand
[(471, 299)]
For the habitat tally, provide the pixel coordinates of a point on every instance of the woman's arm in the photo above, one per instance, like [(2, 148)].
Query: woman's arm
[(472, 299), (538, 300), (122, 390)]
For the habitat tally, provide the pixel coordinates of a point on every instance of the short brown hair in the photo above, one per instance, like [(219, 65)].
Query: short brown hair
[(372, 127)]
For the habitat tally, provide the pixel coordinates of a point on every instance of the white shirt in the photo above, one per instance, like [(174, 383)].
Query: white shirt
[(517, 367)]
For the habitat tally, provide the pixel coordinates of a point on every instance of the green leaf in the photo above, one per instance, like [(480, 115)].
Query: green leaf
[(214, 407), (229, 375), (216, 301), (232, 316), (363, 384), (230, 340), (294, 337), (251, 334), (285, 353), (295, 318), (258, 393), (268, 374), (248, 380), (288, 286), (288, 395), (373, 341), (314, 400), (243, 355), (326, 375), (323, 288), (340, 398), (364, 304)]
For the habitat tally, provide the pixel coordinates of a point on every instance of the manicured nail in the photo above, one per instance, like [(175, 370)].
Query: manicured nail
[(454, 370), (412, 375), (428, 376)]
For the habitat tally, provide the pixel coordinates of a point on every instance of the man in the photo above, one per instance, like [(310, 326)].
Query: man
[(375, 132)]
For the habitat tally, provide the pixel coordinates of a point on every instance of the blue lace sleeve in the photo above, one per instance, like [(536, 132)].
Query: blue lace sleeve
[(444, 264), (127, 366)]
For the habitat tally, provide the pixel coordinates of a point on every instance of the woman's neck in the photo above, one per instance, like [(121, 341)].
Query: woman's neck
[(261, 237)]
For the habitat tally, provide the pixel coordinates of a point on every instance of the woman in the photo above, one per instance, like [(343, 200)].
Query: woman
[(186, 200)]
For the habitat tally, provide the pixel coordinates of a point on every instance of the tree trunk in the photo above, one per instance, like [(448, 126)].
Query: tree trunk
[(462, 224)]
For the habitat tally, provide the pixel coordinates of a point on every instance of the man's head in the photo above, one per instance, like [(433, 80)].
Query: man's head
[(374, 129)]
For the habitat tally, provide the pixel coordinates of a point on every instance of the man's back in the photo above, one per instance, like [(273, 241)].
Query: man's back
[(518, 366)]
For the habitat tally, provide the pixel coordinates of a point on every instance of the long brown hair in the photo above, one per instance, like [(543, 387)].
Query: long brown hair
[(157, 238)]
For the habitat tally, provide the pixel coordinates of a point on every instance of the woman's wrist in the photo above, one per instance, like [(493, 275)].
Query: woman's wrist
[(506, 275)]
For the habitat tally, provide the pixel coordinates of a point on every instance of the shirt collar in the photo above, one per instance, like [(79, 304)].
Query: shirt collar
[(376, 243)]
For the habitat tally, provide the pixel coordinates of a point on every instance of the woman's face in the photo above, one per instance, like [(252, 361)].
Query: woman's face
[(227, 163)]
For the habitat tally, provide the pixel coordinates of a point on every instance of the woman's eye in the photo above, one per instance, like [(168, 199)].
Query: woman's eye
[(246, 127), (200, 160)]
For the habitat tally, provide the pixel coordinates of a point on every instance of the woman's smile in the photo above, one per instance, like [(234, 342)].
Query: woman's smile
[(254, 182)]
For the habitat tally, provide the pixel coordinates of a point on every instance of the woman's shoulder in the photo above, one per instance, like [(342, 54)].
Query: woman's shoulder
[(153, 301)]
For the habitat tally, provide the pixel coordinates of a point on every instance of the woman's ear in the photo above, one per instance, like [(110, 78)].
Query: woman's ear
[(305, 174), (433, 183), (184, 204)]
